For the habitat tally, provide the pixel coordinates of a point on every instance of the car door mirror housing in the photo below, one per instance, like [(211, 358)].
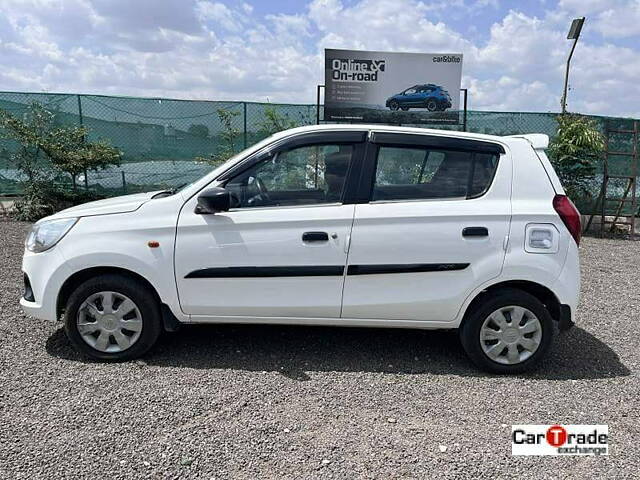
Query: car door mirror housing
[(212, 200)]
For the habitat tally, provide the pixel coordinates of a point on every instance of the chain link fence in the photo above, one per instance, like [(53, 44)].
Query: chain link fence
[(166, 143)]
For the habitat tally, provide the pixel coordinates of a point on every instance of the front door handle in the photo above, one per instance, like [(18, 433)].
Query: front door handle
[(315, 237), (475, 232)]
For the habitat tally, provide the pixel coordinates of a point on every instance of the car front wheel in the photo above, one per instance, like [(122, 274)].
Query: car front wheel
[(432, 105), (112, 318), (510, 332), (393, 105)]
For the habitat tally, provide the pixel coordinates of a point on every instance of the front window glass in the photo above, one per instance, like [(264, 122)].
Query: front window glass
[(307, 175)]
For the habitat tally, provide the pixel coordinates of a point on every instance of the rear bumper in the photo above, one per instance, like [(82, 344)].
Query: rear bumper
[(567, 288)]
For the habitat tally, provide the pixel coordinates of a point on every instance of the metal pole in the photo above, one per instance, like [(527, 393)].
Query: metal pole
[(566, 77), (464, 114), (574, 34), (244, 115), (81, 121), (80, 110), (124, 182), (318, 104)]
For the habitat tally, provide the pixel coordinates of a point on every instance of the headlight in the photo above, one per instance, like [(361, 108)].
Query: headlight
[(46, 234)]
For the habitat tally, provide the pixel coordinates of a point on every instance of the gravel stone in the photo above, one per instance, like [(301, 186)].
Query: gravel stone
[(214, 401)]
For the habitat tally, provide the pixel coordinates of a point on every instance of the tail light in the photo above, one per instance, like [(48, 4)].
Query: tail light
[(569, 214)]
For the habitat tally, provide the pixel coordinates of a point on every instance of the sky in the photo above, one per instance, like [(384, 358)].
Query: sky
[(514, 51)]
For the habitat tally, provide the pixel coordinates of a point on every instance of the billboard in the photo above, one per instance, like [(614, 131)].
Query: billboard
[(392, 87)]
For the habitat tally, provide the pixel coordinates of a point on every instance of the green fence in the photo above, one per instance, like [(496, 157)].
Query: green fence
[(167, 142)]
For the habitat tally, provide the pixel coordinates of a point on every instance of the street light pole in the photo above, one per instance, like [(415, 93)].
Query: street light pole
[(574, 34)]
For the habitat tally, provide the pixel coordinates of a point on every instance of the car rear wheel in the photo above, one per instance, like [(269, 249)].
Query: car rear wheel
[(432, 105), (509, 332), (394, 105), (112, 318)]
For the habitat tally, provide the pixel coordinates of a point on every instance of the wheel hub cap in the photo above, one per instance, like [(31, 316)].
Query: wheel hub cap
[(510, 335), (109, 322)]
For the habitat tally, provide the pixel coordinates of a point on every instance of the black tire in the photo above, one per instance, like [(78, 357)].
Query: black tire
[(432, 105), (404, 109), (470, 330), (394, 105), (144, 300)]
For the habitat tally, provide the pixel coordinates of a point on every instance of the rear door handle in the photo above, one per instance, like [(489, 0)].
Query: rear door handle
[(315, 237), (475, 232)]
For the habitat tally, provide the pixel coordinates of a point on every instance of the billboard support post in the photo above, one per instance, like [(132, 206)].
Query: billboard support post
[(318, 104), (464, 114)]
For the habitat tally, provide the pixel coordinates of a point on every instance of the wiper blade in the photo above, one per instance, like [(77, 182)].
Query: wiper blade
[(164, 193), (169, 192)]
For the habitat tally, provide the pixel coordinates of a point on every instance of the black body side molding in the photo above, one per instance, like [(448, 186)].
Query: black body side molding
[(404, 268), (323, 270), (258, 272)]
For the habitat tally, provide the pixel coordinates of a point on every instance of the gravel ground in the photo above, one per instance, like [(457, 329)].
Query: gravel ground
[(293, 402)]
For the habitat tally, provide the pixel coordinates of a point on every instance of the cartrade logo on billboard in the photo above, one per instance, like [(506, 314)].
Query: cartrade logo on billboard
[(560, 440)]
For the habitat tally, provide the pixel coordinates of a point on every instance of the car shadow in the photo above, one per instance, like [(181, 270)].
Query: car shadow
[(293, 351)]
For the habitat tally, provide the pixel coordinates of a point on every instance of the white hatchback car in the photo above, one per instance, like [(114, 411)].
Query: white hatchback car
[(342, 225)]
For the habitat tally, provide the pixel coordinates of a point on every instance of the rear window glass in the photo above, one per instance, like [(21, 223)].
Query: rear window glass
[(412, 173)]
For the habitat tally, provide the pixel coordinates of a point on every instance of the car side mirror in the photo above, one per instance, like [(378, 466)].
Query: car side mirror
[(212, 200)]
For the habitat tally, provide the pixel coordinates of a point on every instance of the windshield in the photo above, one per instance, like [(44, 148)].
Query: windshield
[(216, 169)]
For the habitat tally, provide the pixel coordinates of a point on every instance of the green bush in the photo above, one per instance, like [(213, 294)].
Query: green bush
[(43, 198), (575, 152), (47, 152)]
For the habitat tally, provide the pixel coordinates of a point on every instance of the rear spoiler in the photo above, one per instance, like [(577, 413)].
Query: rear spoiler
[(538, 141)]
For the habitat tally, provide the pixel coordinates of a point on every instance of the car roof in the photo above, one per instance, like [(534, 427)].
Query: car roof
[(536, 139)]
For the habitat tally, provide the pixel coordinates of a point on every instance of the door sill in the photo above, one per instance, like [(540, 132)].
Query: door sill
[(333, 322)]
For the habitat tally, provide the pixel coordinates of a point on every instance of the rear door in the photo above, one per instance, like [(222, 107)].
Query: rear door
[(433, 229)]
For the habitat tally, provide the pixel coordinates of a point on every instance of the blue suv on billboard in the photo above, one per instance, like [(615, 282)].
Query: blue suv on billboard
[(432, 97)]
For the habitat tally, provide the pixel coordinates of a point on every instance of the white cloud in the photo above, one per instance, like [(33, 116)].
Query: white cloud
[(220, 14), (612, 18), (620, 22), (211, 50), (378, 24)]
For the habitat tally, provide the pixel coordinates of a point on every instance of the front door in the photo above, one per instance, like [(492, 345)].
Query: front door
[(433, 230), (280, 251), (411, 97)]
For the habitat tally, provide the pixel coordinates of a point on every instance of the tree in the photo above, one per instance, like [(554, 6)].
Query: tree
[(275, 122), (575, 152), (47, 150), (228, 137), (65, 147), (198, 130)]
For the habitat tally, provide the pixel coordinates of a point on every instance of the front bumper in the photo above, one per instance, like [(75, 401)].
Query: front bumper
[(46, 273)]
